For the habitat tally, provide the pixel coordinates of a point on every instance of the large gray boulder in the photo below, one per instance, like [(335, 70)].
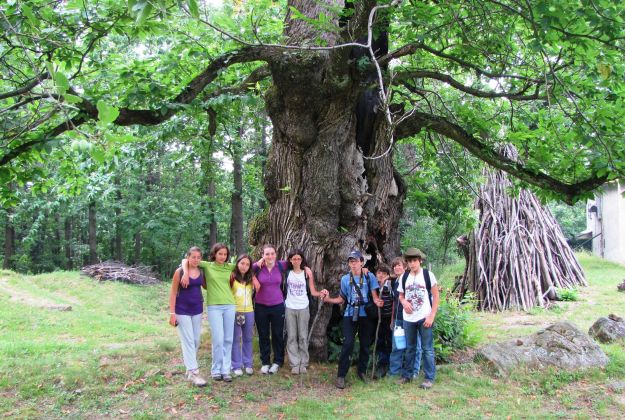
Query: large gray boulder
[(560, 345), (608, 329)]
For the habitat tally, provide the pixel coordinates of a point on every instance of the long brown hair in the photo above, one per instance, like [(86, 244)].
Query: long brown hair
[(237, 275), (216, 248)]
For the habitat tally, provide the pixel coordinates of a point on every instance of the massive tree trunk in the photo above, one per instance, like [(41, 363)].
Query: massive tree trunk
[(323, 196), (93, 245)]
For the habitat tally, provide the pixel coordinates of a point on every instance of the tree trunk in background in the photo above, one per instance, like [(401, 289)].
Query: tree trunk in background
[(69, 264), (137, 253), (93, 245), (212, 231), (117, 245), (9, 241), (236, 220), (57, 247)]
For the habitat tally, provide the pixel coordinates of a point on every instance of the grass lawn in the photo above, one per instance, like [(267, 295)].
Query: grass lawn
[(113, 355)]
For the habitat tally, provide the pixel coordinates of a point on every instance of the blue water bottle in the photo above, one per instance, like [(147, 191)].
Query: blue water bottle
[(400, 338)]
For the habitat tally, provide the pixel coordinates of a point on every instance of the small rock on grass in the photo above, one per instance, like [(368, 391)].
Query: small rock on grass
[(616, 386), (608, 329)]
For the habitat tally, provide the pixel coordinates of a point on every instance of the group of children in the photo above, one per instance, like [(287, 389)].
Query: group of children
[(271, 292)]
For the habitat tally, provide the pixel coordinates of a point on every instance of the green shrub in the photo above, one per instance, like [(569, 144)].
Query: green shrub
[(569, 295), (453, 327)]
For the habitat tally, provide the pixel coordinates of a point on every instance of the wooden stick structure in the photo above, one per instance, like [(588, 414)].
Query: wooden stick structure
[(517, 256)]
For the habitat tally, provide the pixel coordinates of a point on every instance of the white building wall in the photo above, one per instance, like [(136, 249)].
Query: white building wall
[(608, 223)]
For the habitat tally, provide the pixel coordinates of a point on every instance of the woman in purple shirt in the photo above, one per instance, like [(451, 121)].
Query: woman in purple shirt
[(185, 312), (269, 309)]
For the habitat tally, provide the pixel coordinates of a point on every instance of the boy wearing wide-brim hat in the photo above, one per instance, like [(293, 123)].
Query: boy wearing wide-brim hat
[(419, 297)]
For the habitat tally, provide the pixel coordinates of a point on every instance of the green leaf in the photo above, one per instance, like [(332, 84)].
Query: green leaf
[(98, 155), (144, 13), (61, 82), (193, 8), (72, 99), (28, 12), (107, 113)]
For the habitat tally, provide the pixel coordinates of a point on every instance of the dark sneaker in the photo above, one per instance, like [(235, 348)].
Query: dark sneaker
[(404, 381), (427, 384), (216, 377), (227, 378), (362, 376), (340, 383)]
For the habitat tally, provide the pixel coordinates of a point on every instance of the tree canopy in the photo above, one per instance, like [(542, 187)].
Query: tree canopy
[(546, 76)]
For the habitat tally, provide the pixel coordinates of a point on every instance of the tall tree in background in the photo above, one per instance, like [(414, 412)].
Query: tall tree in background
[(545, 76)]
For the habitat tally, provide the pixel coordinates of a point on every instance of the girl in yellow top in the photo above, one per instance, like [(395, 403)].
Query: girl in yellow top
[(241, 285)]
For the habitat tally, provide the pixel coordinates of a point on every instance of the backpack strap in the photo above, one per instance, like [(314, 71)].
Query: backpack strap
[(283, 285), (403, 281), (428, 284)]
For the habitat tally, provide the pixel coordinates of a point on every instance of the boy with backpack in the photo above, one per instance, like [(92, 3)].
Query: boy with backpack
[(419, 297), (357, 290)]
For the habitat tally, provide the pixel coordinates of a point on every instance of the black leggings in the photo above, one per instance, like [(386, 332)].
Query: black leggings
[(270, 319)]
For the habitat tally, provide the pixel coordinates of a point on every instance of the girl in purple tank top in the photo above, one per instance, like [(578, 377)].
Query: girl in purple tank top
[(185, 312)]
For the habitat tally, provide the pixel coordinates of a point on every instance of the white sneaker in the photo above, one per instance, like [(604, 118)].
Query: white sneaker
[(194, 377), (274, 368), (303, 369), (264, 370), (249, 371), (238, 372)]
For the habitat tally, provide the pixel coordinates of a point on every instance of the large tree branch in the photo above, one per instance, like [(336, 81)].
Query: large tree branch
[(27, 87), (410, 49), (248, 83), (418, 121), (148, 116), (517, 96)]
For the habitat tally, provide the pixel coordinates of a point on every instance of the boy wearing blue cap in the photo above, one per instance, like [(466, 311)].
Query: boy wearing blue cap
[(357, 289)]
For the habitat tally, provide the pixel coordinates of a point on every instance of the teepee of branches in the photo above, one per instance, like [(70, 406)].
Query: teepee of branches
[(517, 257)]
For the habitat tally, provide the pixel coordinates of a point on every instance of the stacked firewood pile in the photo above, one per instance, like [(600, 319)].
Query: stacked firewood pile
[(117, 271), (517, 257)]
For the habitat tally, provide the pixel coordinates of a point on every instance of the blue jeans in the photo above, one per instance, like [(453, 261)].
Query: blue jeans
[(221, 320), (414, 330), (418, 356)]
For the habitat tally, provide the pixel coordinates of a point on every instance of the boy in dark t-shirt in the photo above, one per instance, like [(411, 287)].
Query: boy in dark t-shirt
[(384, 343)]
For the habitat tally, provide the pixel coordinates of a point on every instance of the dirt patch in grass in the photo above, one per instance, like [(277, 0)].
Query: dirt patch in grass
[(26, 298)]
